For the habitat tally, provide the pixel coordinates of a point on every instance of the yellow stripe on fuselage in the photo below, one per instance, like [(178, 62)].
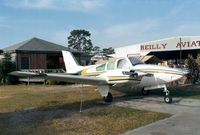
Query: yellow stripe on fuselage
[(118, 78), (84, 72), (161, 71), (92, 74)]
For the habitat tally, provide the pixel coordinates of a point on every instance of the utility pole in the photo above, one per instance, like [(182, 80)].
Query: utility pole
[(29, 67)]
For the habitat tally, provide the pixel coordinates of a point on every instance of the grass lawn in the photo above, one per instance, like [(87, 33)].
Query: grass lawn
[(184, 91), (39, 110), (187, 91)]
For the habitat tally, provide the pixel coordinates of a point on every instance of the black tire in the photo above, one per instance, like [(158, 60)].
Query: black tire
[(109, 98), (144, 92), (168, 99)]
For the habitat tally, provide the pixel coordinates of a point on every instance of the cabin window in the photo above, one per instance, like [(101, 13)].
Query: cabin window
[(101, 67), (122, 64), (111, 65)]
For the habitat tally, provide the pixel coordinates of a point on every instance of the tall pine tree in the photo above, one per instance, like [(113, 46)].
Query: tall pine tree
[(80, 40)]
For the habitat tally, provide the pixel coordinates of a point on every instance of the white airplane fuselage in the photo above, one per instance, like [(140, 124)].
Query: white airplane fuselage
[(148, 75)]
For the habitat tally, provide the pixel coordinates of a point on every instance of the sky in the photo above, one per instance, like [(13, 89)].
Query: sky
[(112, 23)]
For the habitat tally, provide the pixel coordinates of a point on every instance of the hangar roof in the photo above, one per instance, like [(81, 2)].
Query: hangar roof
[(35, 45)]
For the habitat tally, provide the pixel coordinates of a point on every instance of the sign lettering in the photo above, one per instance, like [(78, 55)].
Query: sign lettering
[(188, 44), (164, 46), (153, 47)]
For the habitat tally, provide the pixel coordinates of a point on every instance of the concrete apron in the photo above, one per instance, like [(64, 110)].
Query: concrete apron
[(185, 119)]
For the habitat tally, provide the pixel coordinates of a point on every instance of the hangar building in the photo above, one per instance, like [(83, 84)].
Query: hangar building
[(172, 50), (39, 54)]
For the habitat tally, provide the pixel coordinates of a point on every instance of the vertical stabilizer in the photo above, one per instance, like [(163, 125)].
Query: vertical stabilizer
[(71, 63)]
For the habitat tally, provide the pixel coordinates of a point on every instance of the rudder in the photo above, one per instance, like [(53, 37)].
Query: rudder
[(71, 64)]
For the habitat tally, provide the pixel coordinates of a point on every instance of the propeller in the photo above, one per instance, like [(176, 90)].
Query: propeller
[(131, 73)]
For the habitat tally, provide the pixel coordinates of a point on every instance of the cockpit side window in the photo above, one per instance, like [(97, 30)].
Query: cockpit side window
[(134, 61), (111, 65), (101, 67), (122, 63)]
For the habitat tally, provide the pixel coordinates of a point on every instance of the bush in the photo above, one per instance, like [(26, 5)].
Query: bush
[(52, 82), (12, 80), (193, 69), (6, 66)]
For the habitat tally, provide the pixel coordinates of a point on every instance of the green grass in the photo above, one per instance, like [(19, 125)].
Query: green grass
[(187, 91), (184, 91), (39, 110)]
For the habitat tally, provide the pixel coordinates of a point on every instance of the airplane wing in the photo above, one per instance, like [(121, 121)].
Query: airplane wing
[(77, 79), (63, 77), (24, 74)]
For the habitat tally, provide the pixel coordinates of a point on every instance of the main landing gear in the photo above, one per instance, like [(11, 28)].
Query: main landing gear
[(145, 92), (104, 91), (108, 98)]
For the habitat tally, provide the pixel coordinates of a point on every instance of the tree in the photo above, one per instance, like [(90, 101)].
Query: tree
[(193, 68), (6, 66), (1, 71), (96, 50), (198, 60), (80, 40), (107, 51)]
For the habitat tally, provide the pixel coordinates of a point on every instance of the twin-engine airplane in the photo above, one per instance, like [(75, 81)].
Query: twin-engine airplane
[(121, 71)]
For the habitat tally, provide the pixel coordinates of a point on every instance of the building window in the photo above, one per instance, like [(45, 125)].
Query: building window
[(53, 62), (24, 62)]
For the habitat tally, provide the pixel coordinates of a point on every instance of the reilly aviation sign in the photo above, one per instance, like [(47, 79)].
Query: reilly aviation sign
[(181, 43)]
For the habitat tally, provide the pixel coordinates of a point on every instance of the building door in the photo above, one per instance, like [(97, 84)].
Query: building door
[(25, 63)]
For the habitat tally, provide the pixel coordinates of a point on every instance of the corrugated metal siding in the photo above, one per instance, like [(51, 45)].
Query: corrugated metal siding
[(37, 61)]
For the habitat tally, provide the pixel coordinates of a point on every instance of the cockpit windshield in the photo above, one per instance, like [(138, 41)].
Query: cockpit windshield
[(135, 61), (123, 63)]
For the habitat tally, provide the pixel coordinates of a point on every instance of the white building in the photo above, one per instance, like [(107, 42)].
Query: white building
[(170, 50), (175, 46)]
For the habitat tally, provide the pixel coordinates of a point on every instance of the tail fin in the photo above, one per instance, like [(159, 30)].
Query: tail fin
[(71, 63)]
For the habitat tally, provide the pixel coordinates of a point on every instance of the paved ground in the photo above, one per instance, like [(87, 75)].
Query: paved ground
[(185, 118)]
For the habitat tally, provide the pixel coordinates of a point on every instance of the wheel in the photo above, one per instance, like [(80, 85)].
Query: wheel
[(168, 99), (109, 98), (145, 92)]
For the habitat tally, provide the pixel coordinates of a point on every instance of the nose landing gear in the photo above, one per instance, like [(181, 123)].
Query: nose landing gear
[(167, 98)]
